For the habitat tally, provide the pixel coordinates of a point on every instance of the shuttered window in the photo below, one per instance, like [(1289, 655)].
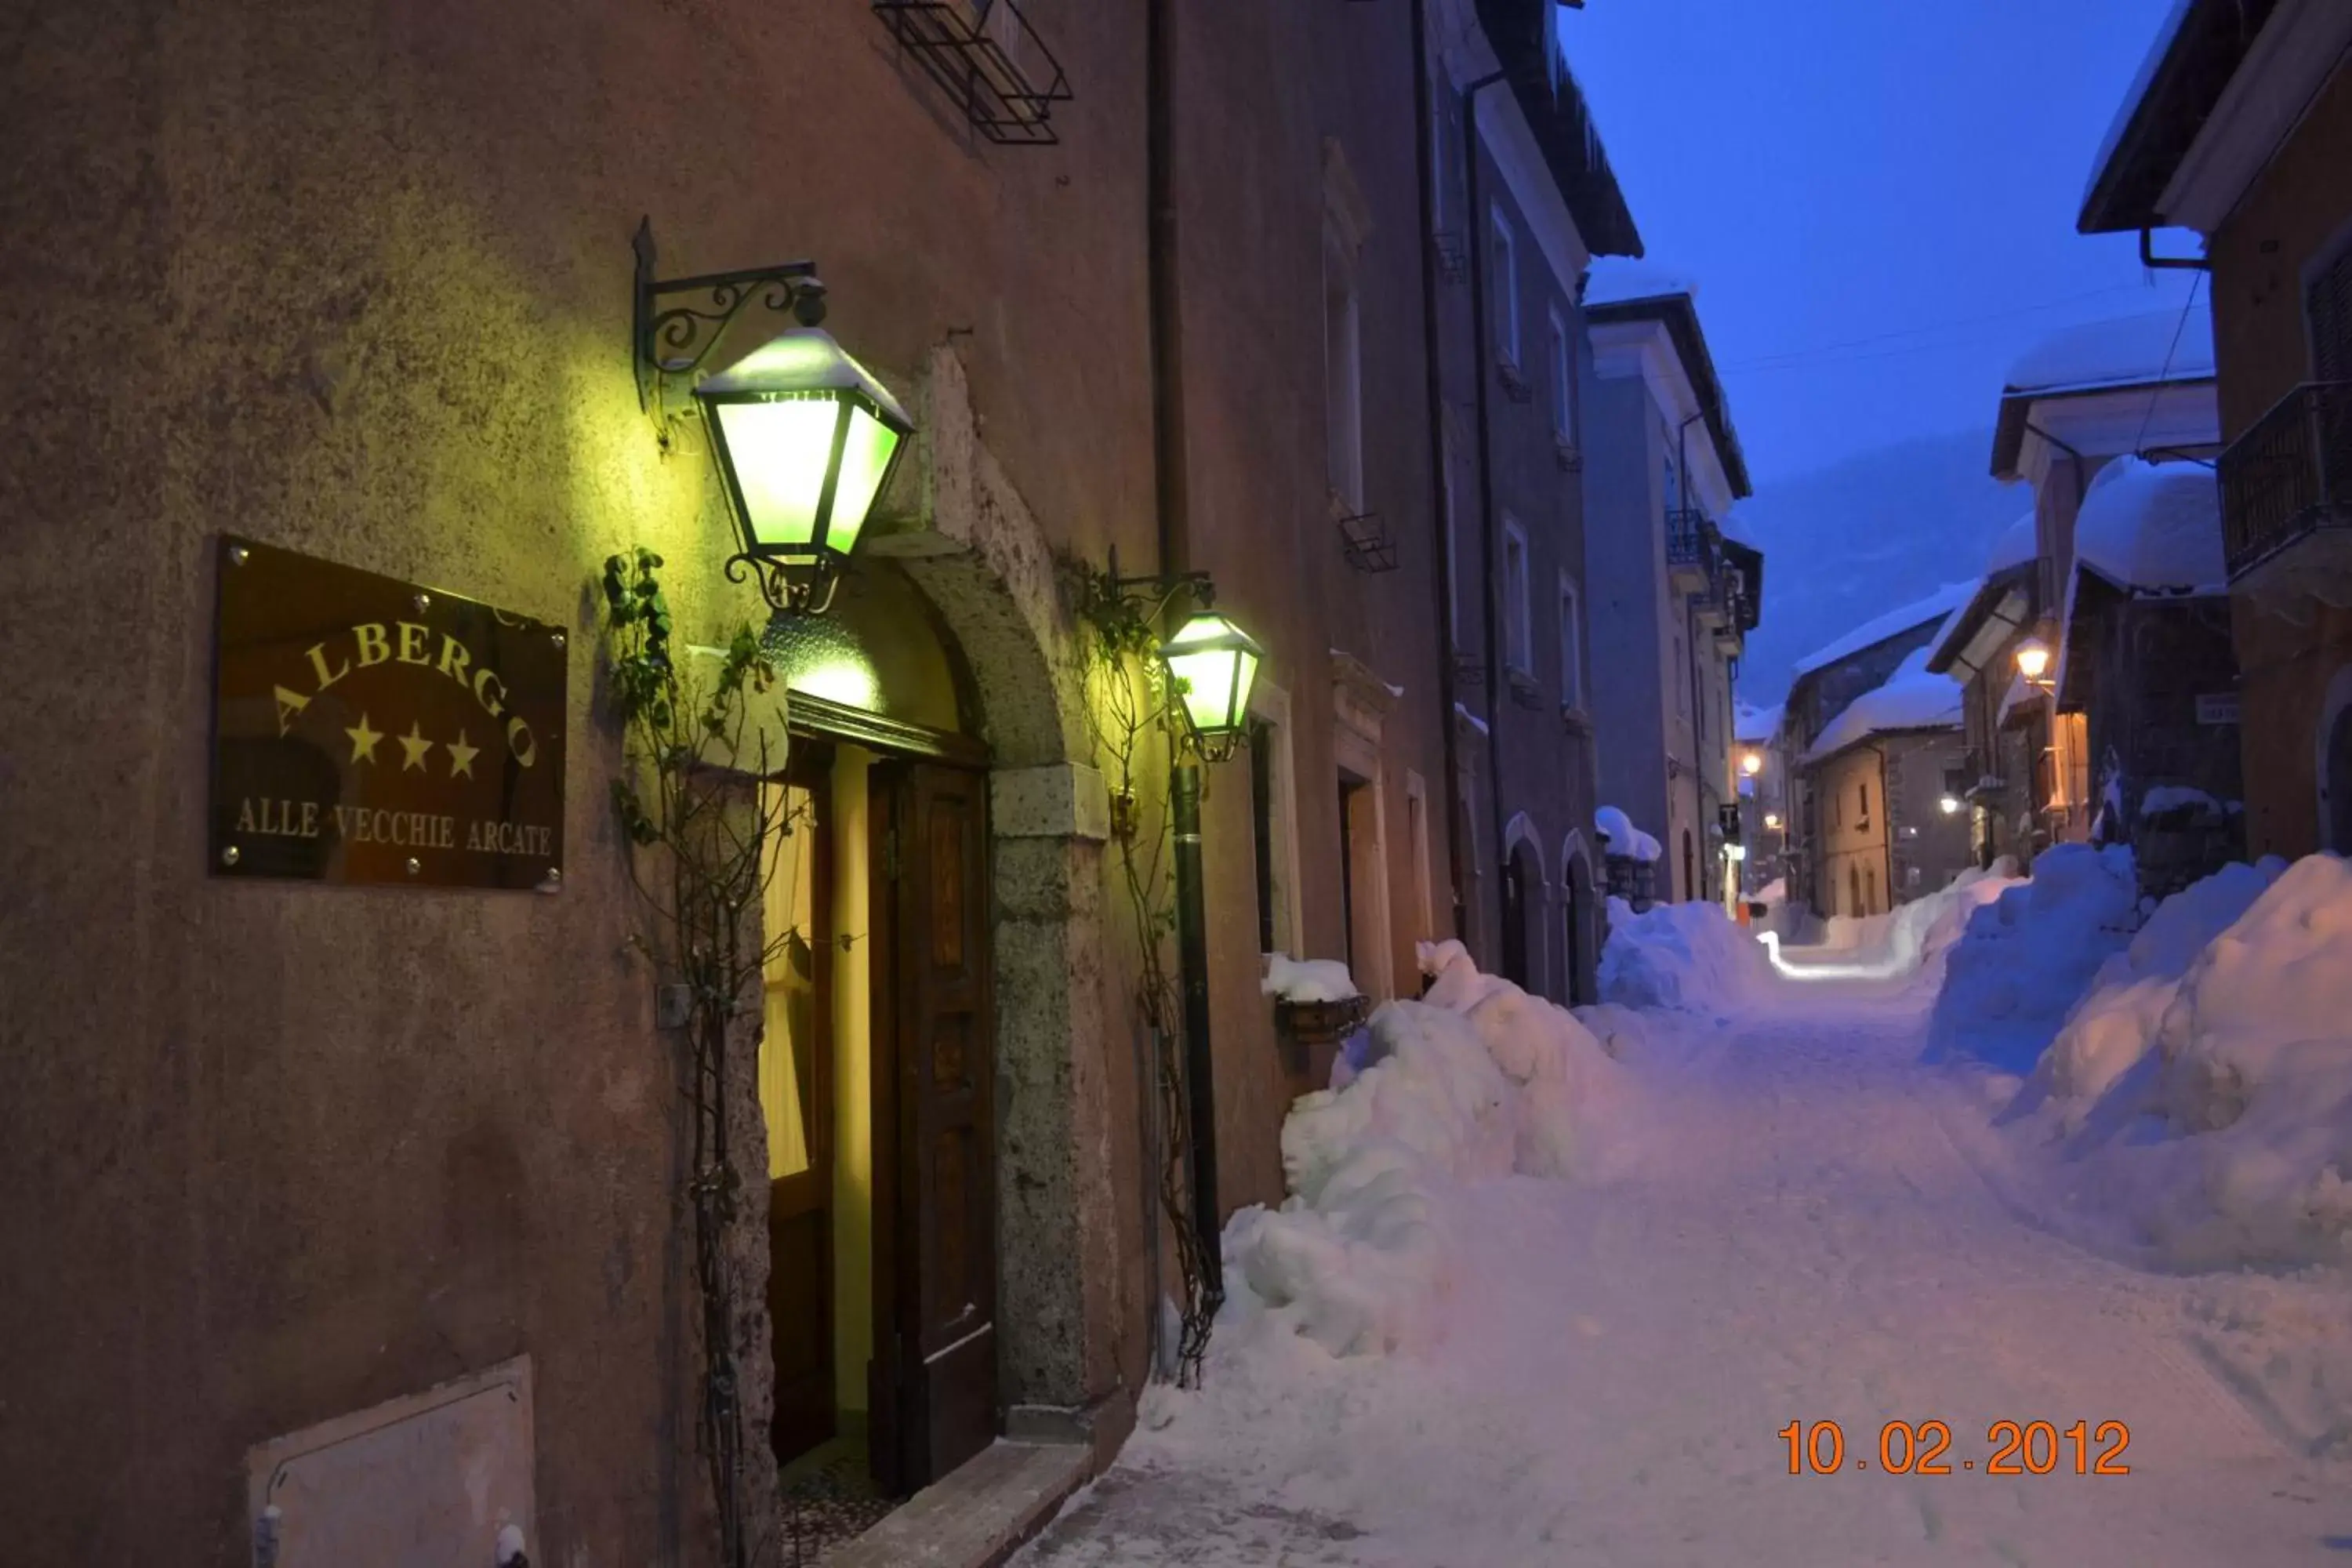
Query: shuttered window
[(2328, 305)]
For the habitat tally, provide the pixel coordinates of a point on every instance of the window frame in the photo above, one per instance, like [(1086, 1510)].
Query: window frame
[(1571, 649), (1503, 275), (1519, 609), (1563, 379)]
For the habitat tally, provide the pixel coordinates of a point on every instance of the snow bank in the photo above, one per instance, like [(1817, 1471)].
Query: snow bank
[(2115, 1025), (2153, 527), (1689, 955), (1910, 698), (1476, 1081), (2022, 960), (2202, 1093), (1306, 979)]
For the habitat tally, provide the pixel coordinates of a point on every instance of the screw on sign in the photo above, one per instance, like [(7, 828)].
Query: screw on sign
[(2019, 1448)]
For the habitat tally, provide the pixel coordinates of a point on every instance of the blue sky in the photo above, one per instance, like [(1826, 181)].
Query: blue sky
[(1875, 197)]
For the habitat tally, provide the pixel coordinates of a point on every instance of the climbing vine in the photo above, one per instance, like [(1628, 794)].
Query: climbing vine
[(1125, 701), (698, 855)]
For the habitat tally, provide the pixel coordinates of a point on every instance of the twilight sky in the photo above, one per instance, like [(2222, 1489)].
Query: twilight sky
[(1876, 198)]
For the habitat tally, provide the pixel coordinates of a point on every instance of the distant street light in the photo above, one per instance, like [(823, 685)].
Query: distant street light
[(1752, 762), (1951, 805), (1772, 821)]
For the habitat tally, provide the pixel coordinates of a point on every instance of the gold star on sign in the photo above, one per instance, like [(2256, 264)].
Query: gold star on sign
[(461, 756), (364, 741), (415, 747)]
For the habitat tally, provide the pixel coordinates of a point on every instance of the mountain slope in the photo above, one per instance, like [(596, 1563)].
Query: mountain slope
[(1884, 527)]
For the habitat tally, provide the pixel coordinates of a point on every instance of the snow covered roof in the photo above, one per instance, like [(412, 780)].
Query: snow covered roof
[(1734, 527), (1622, 837), (1617, 278), (1910, 700), (2128, 351), (2015, 547), (1755, 726), (2153, 527), (2125, 111), (1936, 607)]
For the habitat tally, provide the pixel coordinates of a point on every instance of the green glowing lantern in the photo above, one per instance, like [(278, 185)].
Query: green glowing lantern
[(806, 439), (1213, 663)]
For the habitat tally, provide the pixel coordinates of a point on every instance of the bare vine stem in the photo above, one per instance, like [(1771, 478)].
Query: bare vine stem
[(698, 858)]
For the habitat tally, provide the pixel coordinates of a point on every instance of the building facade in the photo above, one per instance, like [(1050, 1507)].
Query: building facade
[(1521, 202), (1672, 592), (2239, 128), (285, 1152)]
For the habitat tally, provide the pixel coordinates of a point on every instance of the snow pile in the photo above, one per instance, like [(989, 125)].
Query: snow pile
[(2153, 527), (1936, 607), (2115, 1025), (1911, 699), (2127, 351), (2023, 958), (1306, 979), (1906, 937), (1477, 1081), (1623, 837), (2202, 1093), (1689, 955)]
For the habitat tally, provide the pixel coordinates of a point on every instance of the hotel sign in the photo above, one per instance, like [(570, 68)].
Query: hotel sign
[(368, 730)]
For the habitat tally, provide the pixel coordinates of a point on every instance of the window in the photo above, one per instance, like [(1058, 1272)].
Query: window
[(1343, 397), (2327, 307), (1863, 790), (1416, 812), (1681, 677), (1273, 811), (1563, 383), (1519, 654), (1671, 487), (1440, 91), (1504, 286), (1571, 662)]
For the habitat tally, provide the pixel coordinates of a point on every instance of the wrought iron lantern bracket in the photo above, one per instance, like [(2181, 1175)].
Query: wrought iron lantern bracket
[(674, 340)]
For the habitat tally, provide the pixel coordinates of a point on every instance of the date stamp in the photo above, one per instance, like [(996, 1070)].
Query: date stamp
[(1924, 1448)]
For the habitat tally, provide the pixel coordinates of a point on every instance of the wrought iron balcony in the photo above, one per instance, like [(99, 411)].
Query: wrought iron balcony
[(1694, 548), (2289, 474)]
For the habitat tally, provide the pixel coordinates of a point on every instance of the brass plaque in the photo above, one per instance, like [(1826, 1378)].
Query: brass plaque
[(368, 730)]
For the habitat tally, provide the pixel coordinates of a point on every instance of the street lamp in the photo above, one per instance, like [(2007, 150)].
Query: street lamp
[(1951, 804), (1752, 762), (1772, 821), (1211, 665), (2032, 661), (806, 439)]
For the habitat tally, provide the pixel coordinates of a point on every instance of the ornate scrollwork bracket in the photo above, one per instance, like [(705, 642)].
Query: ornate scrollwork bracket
[(679, 321), (793, 590)]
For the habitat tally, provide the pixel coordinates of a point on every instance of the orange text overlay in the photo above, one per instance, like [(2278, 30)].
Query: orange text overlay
[(1924, 1448)]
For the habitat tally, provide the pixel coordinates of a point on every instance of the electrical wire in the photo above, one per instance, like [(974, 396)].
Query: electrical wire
[(2165, 375)]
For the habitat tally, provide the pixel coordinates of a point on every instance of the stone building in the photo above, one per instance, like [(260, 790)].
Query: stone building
[(1675, 588), (2240, 127), (1828, 682), (358, 286), (2080, 400), (1879, 782), (1522, 202)]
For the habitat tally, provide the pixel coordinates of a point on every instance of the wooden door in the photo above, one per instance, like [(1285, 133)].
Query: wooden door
[(796, 1102), (935, 1399)]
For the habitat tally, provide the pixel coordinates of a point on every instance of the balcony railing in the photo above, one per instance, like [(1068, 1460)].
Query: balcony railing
[(2290, 474), (1690, 537)]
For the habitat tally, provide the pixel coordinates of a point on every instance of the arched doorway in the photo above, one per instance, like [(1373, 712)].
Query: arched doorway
[(1515, 919), (1854, 889), (1580, 951), (876, 1056), (1690, 866)]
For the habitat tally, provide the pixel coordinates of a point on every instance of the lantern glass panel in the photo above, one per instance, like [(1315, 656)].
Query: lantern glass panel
[(865, 453), (779, 449), (1216, 665)]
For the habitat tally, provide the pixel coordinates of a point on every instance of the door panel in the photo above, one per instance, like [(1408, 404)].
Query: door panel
[(943, 1289), (796, 1099)]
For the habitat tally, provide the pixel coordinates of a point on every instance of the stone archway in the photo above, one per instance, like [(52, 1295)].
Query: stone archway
[(1579, 950), (1527, 897), (964, 536)]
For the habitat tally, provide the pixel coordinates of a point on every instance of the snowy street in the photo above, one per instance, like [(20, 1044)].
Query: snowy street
[(1800, 1228)]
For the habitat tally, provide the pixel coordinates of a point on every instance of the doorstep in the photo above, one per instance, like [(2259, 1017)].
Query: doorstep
[(974, 1516)]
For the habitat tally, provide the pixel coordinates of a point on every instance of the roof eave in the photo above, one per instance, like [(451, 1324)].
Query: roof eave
[(1563, 126)]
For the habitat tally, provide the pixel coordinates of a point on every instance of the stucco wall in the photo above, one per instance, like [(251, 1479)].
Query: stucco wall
[(2296, 211), (355, 280)]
